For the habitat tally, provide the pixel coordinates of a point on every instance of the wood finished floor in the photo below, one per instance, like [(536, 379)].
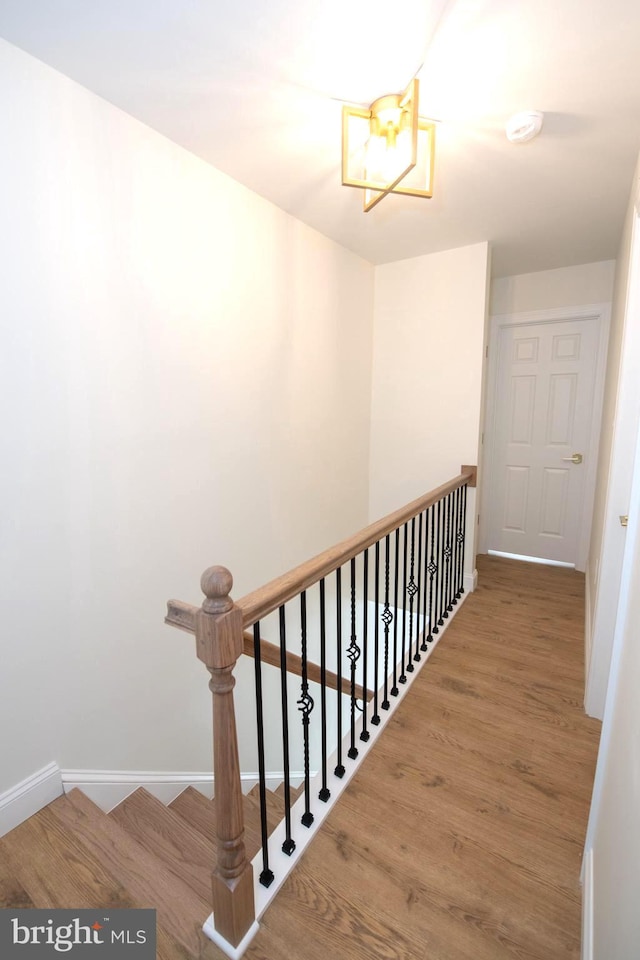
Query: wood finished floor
[(459, 839)]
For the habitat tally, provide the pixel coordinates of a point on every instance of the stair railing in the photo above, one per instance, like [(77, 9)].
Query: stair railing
[(414, 581)]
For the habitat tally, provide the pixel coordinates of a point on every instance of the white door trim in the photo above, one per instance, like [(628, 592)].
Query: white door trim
[(601, 312)]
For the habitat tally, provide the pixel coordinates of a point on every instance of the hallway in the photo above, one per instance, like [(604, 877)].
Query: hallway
[(462, 835), (460, 838)]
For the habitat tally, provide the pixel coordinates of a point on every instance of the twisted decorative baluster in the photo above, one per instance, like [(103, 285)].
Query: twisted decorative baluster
[(403, 676), (353, 653), (339, 769), (416, 655), (411, 591), (387, 618), (324, 793), (364, 735), (425, 592), (440, 553), (447, 558), (305, 705), (289, 845), (433, 569)]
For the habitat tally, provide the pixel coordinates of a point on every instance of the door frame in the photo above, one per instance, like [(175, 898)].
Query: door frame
[(601, 312)]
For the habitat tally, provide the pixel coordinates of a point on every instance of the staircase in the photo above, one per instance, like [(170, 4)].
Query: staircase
[(141, 854), (459, 838), (313, 623)]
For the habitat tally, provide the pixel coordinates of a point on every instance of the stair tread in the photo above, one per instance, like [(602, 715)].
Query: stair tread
[(200, 813), (44, 864), (185, 852), (181, 911), (12, 894), (197, 810), (55, 868), (294, 793)]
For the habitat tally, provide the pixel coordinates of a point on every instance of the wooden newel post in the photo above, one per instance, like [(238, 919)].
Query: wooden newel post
[(219, 643)]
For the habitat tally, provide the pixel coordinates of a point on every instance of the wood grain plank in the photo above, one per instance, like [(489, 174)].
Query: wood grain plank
[(463, 830), (180, 910), (183, 850), (460, 837)]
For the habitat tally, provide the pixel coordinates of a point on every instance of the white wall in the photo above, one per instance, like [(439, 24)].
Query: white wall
[(613, 836), (186, 381), (621, 415), (550, 289), (429, 327)]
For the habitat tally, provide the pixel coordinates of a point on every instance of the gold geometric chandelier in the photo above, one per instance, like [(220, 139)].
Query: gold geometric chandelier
[(388, 148)]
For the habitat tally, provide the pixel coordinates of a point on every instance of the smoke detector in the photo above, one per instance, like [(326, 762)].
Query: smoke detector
[(524, 126)]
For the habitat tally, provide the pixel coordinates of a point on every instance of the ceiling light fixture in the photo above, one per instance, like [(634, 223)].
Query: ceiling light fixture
[(524, 126), (388, 148)]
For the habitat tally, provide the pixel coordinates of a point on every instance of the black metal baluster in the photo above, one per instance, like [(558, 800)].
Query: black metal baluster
[(411, 591), (289, 845), (438, 607), (394, 688), (464, 534), (447, 557), (324, 793), (266, 876), (375, 719), (305, 705), (456, 548), (425, 578), (416, 655), (403, 676), (433, 569), (339, 770), (460, 538), (353, 653), (386, 617), (364, 734)]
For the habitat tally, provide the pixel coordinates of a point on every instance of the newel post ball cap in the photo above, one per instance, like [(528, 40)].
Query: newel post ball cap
[(216, 584)]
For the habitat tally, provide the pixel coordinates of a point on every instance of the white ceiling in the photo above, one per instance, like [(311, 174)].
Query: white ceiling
[(255, 88)]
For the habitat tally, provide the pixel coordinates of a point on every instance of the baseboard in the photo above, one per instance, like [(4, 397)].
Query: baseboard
[(587, 905), (470, 581), (26, 798), (587, 628), (108, 788)]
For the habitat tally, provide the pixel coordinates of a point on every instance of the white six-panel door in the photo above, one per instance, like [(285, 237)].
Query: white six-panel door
[(543, 406)]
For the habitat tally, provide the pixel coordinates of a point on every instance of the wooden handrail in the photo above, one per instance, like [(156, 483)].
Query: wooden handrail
[(183, 616), (263, 601)]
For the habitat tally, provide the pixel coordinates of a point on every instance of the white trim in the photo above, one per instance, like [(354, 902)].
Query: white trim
[(470, 581), (587, 906), (108, 788), (598, 311), (234, 952), (588, 636), (28, 797), (527, 559)]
